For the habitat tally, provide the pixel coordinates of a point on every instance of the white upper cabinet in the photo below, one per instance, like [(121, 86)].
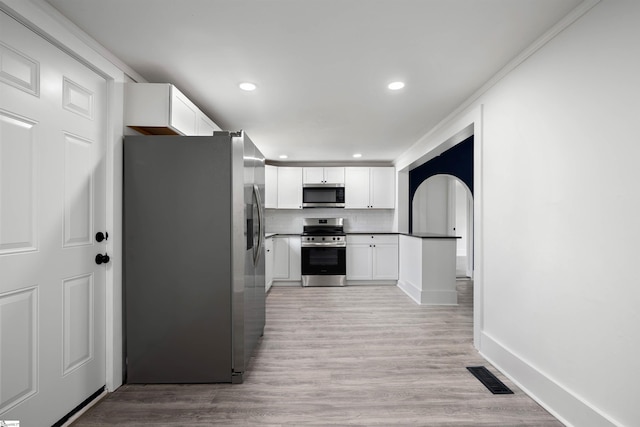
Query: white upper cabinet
[(370, 188), (356, 188), (334, 175), (270, 187), (161, 109), (383, 187), (365, 187), (318, 175), (205, 126), (313, 175), (183, 114), (289, 188)]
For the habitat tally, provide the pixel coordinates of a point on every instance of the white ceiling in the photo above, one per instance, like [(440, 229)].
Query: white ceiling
[(321, 66)]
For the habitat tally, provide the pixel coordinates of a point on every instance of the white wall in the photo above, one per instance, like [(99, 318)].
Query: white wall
[(461, 217), (559, 199), (431, 206)]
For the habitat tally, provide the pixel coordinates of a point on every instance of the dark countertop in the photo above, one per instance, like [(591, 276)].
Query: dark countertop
[(267, 235), (430, 236), (419, 235), (370, 232)]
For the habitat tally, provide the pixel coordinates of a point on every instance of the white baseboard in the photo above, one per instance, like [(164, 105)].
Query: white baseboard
[(442, 297), (371, 282), (283, 284), (411, 291), (563, 404), (421, 297)]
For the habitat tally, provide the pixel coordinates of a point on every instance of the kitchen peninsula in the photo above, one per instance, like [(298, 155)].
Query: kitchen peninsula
[(427, 268), (422, 265)]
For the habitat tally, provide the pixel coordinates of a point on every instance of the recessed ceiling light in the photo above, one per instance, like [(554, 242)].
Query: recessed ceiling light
[(247, 86), (357, 155), (283, 156), (396, 85)]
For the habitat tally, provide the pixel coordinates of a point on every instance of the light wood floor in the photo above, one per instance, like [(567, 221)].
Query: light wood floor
[(358, 355)]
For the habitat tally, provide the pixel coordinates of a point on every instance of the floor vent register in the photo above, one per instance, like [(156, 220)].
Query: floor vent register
[(489, 380)]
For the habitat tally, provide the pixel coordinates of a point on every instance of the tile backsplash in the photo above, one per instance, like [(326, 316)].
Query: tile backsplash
[(289, 221)]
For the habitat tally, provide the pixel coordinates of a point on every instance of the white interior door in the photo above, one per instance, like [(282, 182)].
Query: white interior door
[(52, 203)]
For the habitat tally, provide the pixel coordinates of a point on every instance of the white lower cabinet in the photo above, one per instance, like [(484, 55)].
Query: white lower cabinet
[(385, 261), (268, 263), (372, 257), (286, 259), (359, 260)]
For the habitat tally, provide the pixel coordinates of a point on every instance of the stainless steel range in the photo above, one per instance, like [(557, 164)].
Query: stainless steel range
[(324, 252)]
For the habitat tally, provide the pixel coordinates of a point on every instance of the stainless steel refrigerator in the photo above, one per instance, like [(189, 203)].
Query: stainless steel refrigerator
[(194, 293)]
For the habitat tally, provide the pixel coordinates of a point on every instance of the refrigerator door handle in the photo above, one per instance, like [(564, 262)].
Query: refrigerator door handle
[(258, 199)]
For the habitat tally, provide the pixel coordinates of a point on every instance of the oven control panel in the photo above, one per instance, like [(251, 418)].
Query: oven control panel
[(324, 238), (336, 241)]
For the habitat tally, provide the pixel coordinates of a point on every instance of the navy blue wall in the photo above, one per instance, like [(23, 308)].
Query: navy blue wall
[(456, 161)]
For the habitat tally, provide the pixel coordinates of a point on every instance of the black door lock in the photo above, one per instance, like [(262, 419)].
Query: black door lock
[(102, 259), (100, 236)]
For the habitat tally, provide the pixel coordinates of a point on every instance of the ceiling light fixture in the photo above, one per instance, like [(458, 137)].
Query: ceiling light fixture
[(357, 155), (283, 156), (247, 86), (396, 85)]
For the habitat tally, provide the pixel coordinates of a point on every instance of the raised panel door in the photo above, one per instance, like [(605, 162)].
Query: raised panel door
[(52, 202)]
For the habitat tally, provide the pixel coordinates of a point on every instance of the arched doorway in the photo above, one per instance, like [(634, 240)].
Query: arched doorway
[(443, 171), (443, 204)]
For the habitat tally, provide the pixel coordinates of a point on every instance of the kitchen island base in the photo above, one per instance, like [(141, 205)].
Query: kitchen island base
[(427, 272)]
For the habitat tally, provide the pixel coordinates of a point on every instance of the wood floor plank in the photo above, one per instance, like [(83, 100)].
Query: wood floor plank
[(365, 356)]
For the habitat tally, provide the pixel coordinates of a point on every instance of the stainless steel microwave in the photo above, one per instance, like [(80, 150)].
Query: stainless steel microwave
[(323, 196)]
